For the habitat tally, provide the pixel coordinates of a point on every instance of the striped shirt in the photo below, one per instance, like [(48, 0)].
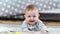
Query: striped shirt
[(39, 26)]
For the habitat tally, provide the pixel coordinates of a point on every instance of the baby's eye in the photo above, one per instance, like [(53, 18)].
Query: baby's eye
[(34, 16), (28, 16)]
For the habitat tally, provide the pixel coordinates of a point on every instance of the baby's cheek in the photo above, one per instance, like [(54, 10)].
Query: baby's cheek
[(27, 19)]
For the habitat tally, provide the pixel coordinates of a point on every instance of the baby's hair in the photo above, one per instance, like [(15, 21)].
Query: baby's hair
[(31, 7)]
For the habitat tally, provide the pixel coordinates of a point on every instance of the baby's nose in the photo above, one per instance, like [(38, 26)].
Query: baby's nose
[(31, 18)]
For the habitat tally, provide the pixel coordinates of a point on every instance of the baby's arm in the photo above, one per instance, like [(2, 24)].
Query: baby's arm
[(29, 32), (43, 28), (25, 28)]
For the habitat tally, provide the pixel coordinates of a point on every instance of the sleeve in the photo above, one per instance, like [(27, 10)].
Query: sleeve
[(24, 26), (42, 26)]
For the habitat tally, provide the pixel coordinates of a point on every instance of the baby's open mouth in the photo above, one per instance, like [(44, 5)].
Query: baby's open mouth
[(31, 21)]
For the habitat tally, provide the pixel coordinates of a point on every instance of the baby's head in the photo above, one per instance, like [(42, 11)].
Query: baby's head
[(31, 14)]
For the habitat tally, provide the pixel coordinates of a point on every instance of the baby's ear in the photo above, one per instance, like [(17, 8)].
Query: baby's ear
[(24, 15), (39, 15)]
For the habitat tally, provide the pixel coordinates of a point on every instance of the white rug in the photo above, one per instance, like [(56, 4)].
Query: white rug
[(7, 28)]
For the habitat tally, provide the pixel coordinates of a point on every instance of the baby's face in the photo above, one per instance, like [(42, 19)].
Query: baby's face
[(31, 16)]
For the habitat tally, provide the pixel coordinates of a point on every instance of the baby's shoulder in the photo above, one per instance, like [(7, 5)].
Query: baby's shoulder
[(39, 21)]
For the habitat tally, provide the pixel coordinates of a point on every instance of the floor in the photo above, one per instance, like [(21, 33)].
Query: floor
[(7, 27)]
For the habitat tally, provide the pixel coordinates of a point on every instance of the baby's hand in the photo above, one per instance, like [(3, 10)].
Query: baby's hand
[(44, 32), (30, 32)]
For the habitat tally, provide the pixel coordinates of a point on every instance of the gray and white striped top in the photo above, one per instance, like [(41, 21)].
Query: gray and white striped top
[(39, 26)]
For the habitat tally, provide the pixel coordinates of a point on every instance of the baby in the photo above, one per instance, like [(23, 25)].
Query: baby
[(32, 22)]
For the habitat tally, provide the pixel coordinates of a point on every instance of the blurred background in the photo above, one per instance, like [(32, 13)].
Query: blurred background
[(12, 14)]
